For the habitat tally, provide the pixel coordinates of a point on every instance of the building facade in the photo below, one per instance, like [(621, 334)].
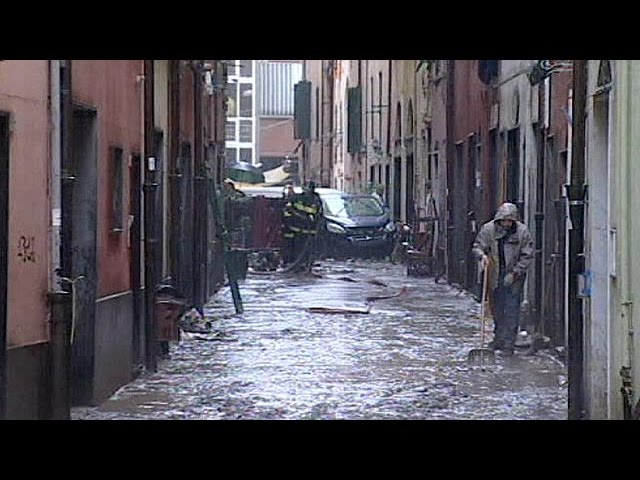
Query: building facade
[(611, 371), (26, 223), (108, 169), (275, 81)]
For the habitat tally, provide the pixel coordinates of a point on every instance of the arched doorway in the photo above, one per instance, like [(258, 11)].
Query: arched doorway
[(397, 166)]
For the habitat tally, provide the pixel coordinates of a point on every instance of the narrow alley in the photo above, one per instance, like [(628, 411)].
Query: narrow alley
[(405, 359), (319, 239)]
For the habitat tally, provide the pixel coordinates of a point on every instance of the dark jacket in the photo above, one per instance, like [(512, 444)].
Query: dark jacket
[(518, 247)]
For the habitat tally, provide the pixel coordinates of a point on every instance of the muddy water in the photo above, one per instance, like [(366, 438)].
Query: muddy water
[(405, 359)]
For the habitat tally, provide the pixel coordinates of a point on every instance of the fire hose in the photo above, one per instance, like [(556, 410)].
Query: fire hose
[(296, 263)]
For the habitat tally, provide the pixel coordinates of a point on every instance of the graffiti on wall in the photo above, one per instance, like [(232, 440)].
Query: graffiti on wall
[(26, 249)]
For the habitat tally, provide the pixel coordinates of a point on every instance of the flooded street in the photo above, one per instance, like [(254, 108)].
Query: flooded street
[(404, 359)]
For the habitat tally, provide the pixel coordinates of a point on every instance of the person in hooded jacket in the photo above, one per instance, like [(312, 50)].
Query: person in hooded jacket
[(504, 246)]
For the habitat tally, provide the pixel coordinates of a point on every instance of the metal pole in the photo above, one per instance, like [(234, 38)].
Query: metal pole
[(449, 166), (4, 234), (150, 234), (174, 175), (539, 215), (576, 193), (59, 406), (322, 117), (60, 356), (62, 350), (199, 213), (332, 69)]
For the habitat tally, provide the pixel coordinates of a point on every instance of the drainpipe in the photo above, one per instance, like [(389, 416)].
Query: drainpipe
[(303, 169), (322, 129), (365, 95), (59, 295), (150, 235), (55, 176), (174, 176), (200, 233), (388, 155), (332, 68), (449, 164), (59, 406), (576, 193), (4, 275), (539, 215)]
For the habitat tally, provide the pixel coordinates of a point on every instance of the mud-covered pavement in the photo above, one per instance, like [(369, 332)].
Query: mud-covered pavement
[(405, 359)]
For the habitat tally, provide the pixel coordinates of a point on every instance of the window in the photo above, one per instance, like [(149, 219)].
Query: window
[(232, 99), (410, 120), (434, 167), (397, 177), (371, 109), (302, 111), (348, 206), (231, 67), (230, 131), (231, 155), (246, 155), (246, 68), (246, 131), (488, 70), (116, 189), (246, 100), (317, 113), (380, 107), (604, 74), (354, 125)]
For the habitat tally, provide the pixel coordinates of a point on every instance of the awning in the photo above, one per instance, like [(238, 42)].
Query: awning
[(276, 177)]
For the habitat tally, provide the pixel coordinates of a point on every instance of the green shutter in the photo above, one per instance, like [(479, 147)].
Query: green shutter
[(302, 110), (354, 128)]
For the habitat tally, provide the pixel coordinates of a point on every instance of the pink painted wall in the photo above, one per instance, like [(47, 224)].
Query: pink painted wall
[(112, 87), (23, 94), (276, 137)]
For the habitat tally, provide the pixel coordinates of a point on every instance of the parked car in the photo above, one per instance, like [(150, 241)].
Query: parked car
[(352, 224), (355, 225)]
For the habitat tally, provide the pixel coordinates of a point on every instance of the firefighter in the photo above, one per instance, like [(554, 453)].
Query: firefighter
[(302, 215), (288, 225)]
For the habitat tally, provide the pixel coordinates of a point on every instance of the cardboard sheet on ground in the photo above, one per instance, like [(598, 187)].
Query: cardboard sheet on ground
[(338, 310)]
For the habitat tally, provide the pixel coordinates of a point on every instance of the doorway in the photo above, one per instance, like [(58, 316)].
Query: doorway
[(135, 252), (4, 236), (79, 224)]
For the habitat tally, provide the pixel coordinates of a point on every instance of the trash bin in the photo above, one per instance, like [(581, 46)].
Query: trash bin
[(237, 263), (168, 307)]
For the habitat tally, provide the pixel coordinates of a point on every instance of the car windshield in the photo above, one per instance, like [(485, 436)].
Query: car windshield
[(352, 206)]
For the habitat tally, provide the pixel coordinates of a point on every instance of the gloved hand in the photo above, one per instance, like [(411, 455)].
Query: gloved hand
[(484, 262), (509, 279)]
